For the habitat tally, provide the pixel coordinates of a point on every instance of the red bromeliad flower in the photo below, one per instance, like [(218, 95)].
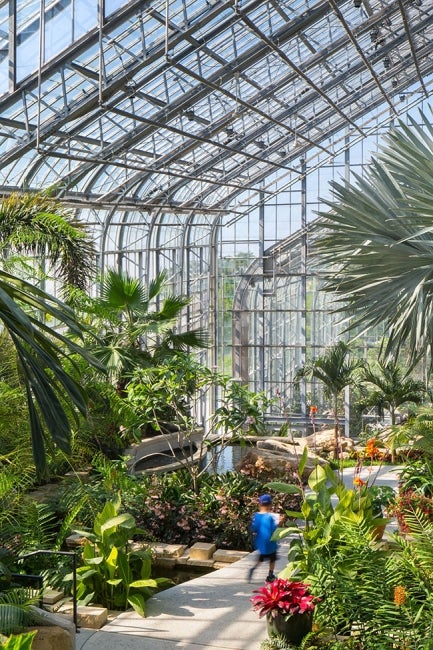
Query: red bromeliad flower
[(283, 597)]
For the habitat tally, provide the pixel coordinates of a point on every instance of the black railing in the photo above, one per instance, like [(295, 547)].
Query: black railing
[(74, 576)]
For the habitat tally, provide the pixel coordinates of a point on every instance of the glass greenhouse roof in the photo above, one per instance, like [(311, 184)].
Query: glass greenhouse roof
[(189, 106)]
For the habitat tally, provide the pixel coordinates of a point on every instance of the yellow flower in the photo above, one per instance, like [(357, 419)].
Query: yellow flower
[(399, 596)]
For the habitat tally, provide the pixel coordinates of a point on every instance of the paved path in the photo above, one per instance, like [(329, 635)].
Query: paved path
[(212, 612)]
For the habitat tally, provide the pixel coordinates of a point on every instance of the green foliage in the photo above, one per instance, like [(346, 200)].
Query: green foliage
[(167, 396), (335, 369), (241, 410), (392, 387), (134, 333), (219, 512), (162, 395), (326, 509), (111, 574), (37, 224), (417, 476), (85, 497), (377, 241), (14, 610), (18, 642), (40, 349)]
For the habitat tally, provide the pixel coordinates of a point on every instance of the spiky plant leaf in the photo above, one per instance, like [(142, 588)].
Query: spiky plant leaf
[(40, 349), (40, 225), (377, 242)]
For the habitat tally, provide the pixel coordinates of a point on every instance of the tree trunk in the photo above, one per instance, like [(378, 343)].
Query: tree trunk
[(336, 430), (392, 413)]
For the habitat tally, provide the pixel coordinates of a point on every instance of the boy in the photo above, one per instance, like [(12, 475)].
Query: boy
[(263, 525)]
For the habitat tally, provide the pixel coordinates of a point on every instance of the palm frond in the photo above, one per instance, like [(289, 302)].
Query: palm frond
[(377, 242), (40, 348), (39, 224)]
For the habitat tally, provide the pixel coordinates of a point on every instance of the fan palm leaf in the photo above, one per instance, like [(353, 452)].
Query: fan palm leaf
[(377, 242), (135, 334)]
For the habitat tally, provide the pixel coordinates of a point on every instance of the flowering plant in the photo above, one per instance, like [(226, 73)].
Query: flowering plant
[(283, 597)]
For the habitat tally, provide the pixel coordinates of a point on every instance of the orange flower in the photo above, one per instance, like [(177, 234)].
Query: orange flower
[(313, 410), (399, 596), (372, 451), (358, 482)]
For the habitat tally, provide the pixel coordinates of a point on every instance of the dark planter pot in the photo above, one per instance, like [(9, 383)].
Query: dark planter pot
[(293, 629)]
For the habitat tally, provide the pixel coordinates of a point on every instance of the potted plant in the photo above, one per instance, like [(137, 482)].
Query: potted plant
[(288, 607)]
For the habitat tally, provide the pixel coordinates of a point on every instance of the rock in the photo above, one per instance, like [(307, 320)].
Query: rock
[(91, 616), (201, 551), (51, 638), (75, 540), (41, 617), (323, 442), (277, 457), (227, 557)]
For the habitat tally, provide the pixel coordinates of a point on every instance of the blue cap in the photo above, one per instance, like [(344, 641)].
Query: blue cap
[(265, 499)]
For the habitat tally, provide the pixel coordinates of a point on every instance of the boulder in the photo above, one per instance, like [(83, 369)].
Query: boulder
[(41, 617), (51, 638), (322, 442), (279, 457)]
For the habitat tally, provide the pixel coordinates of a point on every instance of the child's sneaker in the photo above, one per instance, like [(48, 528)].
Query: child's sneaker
[(271, 577)]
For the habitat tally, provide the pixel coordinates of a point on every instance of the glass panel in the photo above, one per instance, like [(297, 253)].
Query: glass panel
[(4, 48), (27, 41)]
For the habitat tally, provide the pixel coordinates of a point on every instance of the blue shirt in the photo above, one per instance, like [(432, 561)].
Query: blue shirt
[(263, 525)]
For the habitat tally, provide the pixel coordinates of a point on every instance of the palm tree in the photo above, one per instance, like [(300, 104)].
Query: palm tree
[(393, 387), (377, 241), (336, 370), (133, 334), (50, 390), (39, 225)]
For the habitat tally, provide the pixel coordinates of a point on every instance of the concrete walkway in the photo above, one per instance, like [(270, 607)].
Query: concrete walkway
[(212, 612)]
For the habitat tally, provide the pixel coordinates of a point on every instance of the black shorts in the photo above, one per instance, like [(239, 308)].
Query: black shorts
[(272, 557)]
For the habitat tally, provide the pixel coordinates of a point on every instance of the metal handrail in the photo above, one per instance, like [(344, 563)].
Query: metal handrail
[(73, 555)]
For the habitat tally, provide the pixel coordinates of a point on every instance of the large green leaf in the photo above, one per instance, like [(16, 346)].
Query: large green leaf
[(138, 603), (19, 642), (284, 488), (124, 569), (376, 242)]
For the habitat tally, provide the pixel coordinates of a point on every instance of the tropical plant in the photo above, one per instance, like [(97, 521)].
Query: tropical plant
[(326, 508), (14, 610), (283, 597), (392, 387), (417, 476), (335, 369), (241, 410), (375, 243), (111, 574), (39, 225), (134, 334), (40, 349), (22, 641), (167, 397)]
